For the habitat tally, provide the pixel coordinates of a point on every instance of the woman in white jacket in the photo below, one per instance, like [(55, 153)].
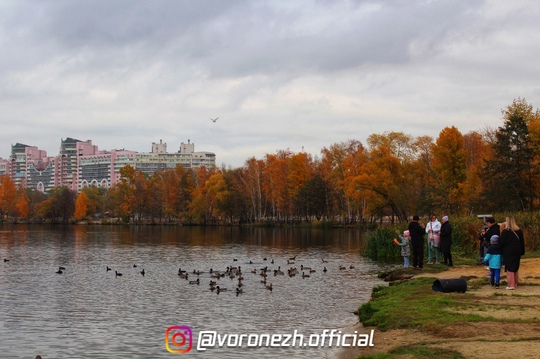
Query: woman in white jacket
[(433, 229)]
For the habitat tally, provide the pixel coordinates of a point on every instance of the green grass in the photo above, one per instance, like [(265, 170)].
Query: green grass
[(414, 304), (416, 351)]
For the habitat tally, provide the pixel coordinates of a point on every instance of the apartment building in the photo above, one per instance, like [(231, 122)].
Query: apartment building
[(81, 164)]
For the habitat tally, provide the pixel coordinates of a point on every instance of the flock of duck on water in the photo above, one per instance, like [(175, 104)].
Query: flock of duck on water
[(236, 273)]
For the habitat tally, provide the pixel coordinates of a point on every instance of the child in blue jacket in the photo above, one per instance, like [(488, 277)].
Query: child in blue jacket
[(494, 260)]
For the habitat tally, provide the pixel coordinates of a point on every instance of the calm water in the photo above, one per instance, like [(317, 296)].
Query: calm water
[(88, 312)]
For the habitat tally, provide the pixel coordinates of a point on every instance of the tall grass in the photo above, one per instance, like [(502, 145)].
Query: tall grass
[(381, 244)]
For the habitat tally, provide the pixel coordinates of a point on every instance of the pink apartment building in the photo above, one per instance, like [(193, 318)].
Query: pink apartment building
[(81, 164)]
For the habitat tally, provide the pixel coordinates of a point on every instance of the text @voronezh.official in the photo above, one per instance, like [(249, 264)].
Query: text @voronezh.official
[(179, 339)]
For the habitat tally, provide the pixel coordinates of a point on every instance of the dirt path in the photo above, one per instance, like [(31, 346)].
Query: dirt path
[(493, 339)]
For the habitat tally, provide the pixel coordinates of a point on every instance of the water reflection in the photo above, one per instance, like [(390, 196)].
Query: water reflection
[(89, 312)]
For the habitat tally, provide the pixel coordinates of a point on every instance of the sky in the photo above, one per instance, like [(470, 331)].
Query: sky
[(281, 75)]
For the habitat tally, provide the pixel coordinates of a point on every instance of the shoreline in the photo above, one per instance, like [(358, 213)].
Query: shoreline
[(512, 323)]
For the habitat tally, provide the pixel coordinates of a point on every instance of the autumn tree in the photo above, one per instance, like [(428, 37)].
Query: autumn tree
[(22, 205), (250, 184), (310, 200), (238, 205), (420, 170), (383, 177), (59, 207), (124, 193), (477, 152), (276, 172), (339, 164), (449, 170), (8, 195), (81, 206), (509, 177)]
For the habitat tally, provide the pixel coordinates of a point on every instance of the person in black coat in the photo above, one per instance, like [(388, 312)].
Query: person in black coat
[(446, 241), (493, 229), (417, 231), (513, 247)]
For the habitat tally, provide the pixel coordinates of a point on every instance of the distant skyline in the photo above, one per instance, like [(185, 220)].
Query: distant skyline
[(278, 74)]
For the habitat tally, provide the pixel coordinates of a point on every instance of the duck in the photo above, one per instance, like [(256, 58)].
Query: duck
[(254, 271), (117, 274), (324, 260), (351, 266), (180, 270), (239, 291), (325, 270), (183, 275), (6, 260), (269, 287), (194, 281), (278, 271), (142, 272), (134, 266), (212, 282), (302, 267), (108, 269), (219, 289), (342, 267), (293, 258), (59, 271), (312, 271), (305, 275)]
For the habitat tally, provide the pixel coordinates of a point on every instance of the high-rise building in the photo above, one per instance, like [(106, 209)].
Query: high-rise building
[(81, 164)]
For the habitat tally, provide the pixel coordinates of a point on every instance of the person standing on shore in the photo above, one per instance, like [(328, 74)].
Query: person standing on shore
[(513, 247), (432, 229), (486, 234), (417, 231), (405, 247), (446, 241), (494, 260)]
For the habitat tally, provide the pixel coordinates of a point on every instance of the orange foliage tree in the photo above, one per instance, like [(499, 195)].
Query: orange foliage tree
[(8, 196), (81, 206)]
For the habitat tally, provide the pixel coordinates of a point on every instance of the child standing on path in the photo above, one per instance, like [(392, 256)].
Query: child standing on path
[(494, 259), (405, 247)]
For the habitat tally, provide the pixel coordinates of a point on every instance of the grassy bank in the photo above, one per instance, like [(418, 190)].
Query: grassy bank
[(411, 304)]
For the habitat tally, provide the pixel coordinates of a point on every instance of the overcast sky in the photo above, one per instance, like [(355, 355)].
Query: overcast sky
[(279, 74)]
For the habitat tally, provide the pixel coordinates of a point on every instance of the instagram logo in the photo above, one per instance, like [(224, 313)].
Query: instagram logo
[(181, 339)]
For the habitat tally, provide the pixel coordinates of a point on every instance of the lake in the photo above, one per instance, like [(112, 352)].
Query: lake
[(90, 312)]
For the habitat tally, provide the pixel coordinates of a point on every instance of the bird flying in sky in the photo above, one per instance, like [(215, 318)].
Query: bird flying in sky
[(214, 119)]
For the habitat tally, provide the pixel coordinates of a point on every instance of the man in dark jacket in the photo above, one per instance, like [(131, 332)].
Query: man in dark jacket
[(417, 232), (446, 241), (486, 234)]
